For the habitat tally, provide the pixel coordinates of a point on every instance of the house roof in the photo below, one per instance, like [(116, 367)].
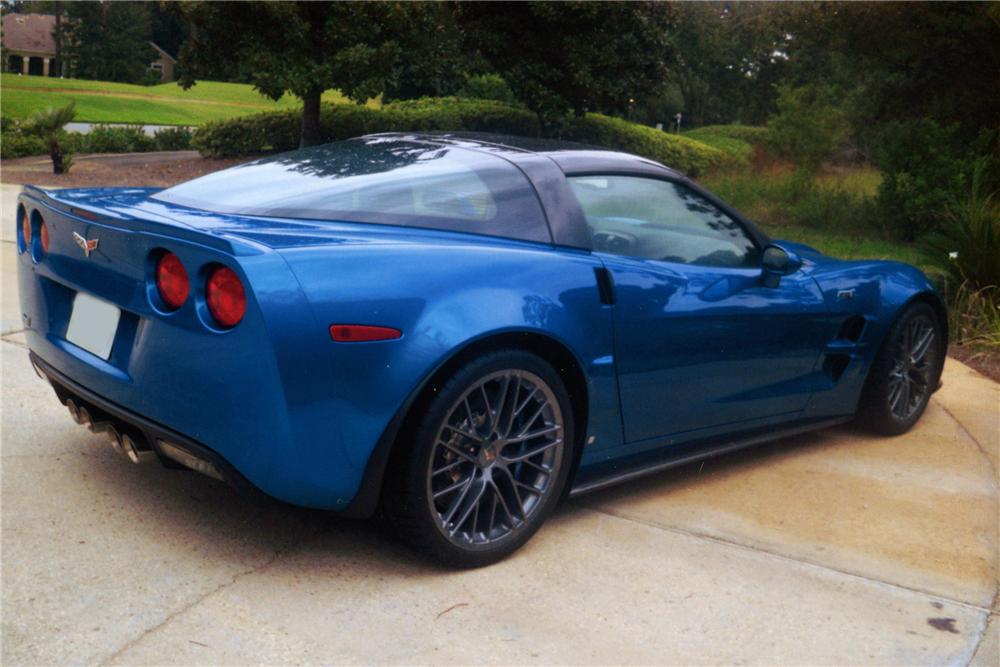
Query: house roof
[(31, 33), (163, 54)]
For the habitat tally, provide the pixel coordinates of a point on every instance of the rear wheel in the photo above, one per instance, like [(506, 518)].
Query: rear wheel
[(488, 462), (905, 372)]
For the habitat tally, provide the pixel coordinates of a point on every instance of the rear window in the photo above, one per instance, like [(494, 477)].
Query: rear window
[(377, 180)]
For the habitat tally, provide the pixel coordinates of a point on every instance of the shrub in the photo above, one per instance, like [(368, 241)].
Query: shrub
[(968, 246), (115, 139), (679, 152), (17, 144), (926, 168), (807, 126), (487, 87), (172, 139), (457, 114), (279, 130), (974, 315)]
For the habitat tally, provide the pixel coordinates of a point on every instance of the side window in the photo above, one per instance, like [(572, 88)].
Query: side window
[(654, 219)]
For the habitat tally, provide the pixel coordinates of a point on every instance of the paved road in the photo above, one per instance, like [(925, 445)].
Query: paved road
[(84, 128), (831, 548)]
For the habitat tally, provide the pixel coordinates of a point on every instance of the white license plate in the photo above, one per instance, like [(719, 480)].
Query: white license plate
[(93, 324)]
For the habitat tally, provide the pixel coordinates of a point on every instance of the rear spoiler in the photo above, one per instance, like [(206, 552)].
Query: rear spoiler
[(119, 207)]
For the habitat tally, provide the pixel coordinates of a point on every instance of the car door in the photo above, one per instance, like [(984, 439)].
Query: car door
[(701, 345)]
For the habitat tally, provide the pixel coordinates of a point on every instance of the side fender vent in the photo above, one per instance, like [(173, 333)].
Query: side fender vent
[(834, 365), (852, 328)]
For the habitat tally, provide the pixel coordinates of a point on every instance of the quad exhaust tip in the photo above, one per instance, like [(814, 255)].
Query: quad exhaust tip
[(136, 449), (124, 441), (131, 443)]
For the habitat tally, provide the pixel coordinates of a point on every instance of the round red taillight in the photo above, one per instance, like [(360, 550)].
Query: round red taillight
[(43, 235), (172, 281), (26, 231), (227, 301)]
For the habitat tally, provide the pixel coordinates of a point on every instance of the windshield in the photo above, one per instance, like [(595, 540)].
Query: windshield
[(377, 180)]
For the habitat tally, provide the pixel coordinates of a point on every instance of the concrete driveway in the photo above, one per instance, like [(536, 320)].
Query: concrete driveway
[(830, 548)]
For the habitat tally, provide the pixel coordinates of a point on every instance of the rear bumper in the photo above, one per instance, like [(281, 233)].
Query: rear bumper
[(157, 436)]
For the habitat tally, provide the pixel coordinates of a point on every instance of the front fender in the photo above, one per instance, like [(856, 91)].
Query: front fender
[(878, 291)]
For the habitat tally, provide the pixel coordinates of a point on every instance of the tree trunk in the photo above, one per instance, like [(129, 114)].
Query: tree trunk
[(310, 118), (58, 38), (56, 153)]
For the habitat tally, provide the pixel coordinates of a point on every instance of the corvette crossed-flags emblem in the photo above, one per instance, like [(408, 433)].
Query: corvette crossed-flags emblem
[(88, 246)]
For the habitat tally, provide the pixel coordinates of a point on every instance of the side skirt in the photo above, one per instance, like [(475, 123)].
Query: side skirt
[(628, 474)]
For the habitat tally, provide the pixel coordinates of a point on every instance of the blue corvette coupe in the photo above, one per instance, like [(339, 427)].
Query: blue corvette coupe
[(455, 330)]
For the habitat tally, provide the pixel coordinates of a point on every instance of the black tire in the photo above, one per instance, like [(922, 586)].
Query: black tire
[(905, 372), (467, 440)]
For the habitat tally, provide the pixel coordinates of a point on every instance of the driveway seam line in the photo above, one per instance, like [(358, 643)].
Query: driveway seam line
[(278, 554), (774, 554), (979, 445)]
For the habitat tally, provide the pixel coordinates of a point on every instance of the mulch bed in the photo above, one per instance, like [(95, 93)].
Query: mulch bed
[(106, 172), (983, 359)]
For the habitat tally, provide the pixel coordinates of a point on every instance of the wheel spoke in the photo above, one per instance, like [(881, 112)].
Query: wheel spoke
[(458, 452), (501, 402), (449, 466), (895, 394), (450, 488), (470, 504), (465, 434), (922, 345), (503, 504), (904, 399), (531, 453), (458, 501), (534, 434), (511, 484), (513, 412), (539, 468)]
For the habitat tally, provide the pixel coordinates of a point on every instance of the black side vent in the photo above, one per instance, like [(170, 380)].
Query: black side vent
[(835, 364), (852, 328)]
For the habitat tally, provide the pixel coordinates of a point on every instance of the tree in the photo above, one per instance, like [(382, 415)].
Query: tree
[(902, 61), (561, 57), (728, 56), (303, 48), (808, 125), (435, 64), (108, 41)]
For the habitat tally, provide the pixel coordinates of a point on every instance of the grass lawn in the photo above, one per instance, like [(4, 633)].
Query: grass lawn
[(833, 213), (164, 104)]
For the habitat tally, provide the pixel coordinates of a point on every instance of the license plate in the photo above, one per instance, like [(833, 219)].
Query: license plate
[(92, 324)]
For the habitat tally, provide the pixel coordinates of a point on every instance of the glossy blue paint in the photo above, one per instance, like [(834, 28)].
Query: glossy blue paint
[(686, 353)]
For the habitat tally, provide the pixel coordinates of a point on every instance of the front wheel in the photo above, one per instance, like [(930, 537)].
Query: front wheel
[(488, 462), (905, 372)]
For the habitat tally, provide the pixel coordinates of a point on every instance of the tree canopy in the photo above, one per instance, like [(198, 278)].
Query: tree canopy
[(561, 57), (108, 41)]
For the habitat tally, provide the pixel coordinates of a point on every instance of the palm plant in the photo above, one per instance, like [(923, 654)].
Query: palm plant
[(49, 126)]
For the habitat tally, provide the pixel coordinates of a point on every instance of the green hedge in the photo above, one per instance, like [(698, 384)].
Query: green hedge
[(279, 130), (17, 140), (737, 141), (15, 144), (686, 155)]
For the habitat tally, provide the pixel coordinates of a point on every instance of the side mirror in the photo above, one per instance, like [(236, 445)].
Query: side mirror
[(778, 261)]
